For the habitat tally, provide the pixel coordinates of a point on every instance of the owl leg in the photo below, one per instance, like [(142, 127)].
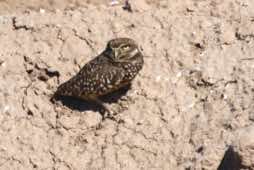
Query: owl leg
[(106, 111)]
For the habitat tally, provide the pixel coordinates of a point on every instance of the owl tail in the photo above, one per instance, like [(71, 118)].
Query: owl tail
[(61, 91)]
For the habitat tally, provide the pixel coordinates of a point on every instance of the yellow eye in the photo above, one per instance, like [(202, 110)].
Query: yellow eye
[(126, 47)]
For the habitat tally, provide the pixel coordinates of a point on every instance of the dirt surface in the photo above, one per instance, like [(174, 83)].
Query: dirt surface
[(190, 106)]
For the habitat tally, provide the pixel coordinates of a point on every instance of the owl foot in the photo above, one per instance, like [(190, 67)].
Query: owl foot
[(106, 111)]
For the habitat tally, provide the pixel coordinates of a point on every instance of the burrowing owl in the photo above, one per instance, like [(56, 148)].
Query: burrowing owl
[(114, 68)]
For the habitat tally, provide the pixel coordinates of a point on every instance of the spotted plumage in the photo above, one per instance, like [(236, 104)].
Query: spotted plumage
[(114, 68)]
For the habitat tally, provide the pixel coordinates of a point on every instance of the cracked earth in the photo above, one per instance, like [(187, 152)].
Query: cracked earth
[(191, 107)]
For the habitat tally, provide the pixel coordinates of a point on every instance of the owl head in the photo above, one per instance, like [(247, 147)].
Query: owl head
[(122, 49)]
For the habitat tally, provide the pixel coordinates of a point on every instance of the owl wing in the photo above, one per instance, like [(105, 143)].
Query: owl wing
[(94, 79), (105, 79)]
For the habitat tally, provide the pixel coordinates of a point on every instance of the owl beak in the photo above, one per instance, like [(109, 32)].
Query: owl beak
[(115, 54)]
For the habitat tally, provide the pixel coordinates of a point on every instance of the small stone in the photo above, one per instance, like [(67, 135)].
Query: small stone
[(2, 63), (251, 116), (227, 34), (69, 122), (188, 9), (42, 11), (114, 2), (29, 68), (51, 72), (127, 6)]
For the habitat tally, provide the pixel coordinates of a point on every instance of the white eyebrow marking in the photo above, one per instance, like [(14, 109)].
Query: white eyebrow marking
[(134, 52)]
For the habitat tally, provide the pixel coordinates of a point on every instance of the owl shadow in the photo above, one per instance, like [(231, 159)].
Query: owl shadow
[(82, 105)]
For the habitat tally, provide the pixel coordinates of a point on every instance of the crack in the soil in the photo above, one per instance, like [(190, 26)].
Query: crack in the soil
[(12, 158), (131, 146), (59, 37), (18, 27), (56, 160), (244, 37), (25, 108), (103, 147), (34, 165), (83, 39)]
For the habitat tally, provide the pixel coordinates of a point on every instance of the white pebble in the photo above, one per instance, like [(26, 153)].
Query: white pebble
[(158, 78), (166, 79), (114, 2), (3, 64), (42, 11), (6, 109), (179, 74), (191, 105)]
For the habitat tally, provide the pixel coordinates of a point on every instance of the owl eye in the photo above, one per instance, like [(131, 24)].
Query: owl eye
[(126, 47)]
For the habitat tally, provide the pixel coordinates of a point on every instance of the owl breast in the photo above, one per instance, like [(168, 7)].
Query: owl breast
[(131, 69)]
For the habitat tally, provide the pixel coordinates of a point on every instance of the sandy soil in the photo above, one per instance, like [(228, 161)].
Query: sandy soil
[(191, 107)]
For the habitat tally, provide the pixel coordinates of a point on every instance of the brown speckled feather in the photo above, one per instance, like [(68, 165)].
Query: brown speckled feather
[(105, 73)]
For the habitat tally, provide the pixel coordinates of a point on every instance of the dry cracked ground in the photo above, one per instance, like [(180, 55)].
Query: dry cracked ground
[(190, 108)]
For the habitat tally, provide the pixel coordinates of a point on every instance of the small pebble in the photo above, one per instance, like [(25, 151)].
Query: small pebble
[(1, 62), (52, 72), (114, 2), (127, 6), (42, 11)]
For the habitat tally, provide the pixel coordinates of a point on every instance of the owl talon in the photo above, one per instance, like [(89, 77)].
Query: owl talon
[(107, 113)]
